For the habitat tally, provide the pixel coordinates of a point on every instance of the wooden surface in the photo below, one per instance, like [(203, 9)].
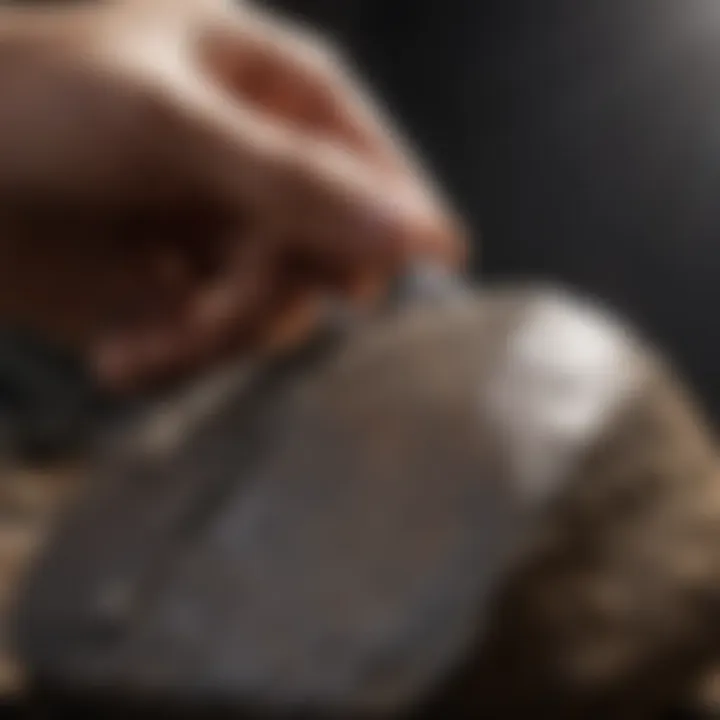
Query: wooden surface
[(30, 500)]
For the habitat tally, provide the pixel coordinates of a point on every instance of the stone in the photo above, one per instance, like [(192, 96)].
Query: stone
[(505, 505)]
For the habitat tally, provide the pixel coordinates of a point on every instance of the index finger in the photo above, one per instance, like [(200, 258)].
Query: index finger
[(325, 96), (322, 195), (257, 48)]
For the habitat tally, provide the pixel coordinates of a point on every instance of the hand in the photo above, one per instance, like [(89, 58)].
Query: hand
[(181, 178)]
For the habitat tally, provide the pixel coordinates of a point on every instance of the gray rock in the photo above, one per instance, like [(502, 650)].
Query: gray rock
[(502, 506)]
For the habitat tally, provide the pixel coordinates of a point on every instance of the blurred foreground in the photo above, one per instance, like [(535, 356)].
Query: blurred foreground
[(493, 505)]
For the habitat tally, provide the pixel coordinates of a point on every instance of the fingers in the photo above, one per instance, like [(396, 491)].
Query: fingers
[(339, 179), (191, 330), (158, 353), (298, 75), (251, 304), (286, 71), (271, 126), (330, 199), (309, 158)]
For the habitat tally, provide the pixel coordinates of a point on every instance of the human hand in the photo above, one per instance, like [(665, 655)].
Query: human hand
[(182, 178)]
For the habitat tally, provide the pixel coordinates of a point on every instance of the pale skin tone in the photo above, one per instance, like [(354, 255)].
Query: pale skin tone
[(181, 179)]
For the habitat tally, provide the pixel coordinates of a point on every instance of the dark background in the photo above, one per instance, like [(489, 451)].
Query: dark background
[(580, 137)]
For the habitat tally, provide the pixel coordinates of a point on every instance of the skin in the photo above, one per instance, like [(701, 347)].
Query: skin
[(181, 179)]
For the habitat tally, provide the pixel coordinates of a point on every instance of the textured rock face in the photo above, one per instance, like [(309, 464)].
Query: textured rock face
[(501, 505)]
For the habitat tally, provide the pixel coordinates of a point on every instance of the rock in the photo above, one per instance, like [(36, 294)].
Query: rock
[(503, 506)]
